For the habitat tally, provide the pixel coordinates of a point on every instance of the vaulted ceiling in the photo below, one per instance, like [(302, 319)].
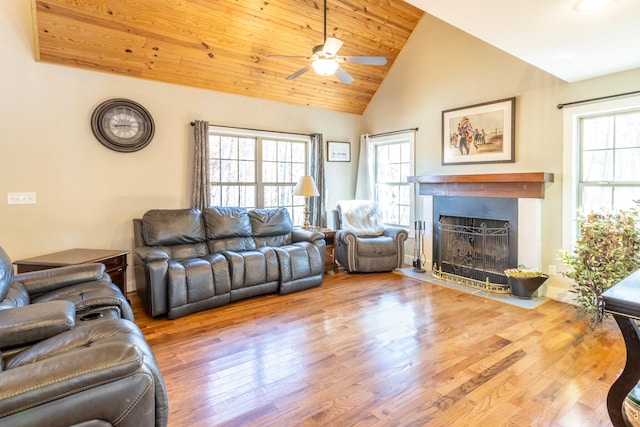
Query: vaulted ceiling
[(223, 45)]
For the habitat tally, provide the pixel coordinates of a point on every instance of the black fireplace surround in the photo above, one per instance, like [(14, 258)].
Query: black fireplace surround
[(483, 208)]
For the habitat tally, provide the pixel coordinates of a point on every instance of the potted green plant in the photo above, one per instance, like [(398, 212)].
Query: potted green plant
[(607, 251), (524, 281)]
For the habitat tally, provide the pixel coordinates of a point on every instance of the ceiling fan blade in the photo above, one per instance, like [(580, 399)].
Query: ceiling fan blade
[(367, 60), (344, 77), (299, 72), (288, 57), (332, 45)]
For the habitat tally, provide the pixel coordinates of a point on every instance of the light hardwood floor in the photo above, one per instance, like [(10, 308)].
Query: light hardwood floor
[(384, 350)]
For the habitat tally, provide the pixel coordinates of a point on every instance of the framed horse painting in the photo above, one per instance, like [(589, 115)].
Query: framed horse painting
[(481, 133)]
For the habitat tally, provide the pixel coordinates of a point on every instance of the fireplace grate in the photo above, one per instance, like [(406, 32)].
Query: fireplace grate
[(474, 249)]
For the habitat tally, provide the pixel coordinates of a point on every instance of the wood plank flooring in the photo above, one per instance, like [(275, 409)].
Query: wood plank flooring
[(384, 350)]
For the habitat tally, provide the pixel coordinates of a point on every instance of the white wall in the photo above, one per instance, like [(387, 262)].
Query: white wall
[(87, 194), (442, 67)]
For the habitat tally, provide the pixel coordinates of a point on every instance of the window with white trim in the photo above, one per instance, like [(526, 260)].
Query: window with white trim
[(257, 170), (393, 162), (601, 154), (609, 156)]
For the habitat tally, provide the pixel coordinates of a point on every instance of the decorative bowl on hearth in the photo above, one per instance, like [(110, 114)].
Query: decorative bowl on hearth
[(524, 282)]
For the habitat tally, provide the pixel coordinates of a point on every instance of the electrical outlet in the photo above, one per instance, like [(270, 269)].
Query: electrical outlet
[(552, 270), (21, 198)]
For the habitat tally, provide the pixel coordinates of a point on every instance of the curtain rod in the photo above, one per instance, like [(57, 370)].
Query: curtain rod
[(256, 130), (566, 104), (393, 132)]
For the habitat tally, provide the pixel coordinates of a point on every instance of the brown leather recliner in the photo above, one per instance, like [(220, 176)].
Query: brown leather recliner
[(87, 286), (68, 354), (100, 373)]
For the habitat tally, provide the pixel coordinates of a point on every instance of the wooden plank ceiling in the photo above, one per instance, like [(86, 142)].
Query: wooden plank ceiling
[(223, 45)]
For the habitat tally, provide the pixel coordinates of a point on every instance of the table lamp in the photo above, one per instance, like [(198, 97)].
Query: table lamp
[(306, 187)]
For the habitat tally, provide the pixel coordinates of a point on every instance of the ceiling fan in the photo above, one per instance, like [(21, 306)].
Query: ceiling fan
[(326, 60)]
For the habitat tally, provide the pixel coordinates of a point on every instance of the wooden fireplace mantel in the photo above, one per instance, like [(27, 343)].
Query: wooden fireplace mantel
[(505, 185)]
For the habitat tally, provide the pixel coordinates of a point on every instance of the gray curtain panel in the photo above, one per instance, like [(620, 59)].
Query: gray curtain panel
[(317, 205), (201, 195)]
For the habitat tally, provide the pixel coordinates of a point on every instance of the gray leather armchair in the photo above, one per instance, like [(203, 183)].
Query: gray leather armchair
[(87, 286), (363, 243)]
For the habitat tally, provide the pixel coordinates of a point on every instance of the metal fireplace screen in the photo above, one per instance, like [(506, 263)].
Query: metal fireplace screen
[(474, 248)]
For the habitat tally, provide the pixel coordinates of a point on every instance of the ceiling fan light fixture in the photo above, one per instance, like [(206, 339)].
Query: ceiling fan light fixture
[(325, 67), (591, 5)]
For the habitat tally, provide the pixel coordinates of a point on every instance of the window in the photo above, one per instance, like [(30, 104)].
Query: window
[(609, 155), (601, 151), (392, 164), (256, 170)]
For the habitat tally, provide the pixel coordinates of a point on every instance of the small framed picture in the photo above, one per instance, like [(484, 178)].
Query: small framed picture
[(338, 151)]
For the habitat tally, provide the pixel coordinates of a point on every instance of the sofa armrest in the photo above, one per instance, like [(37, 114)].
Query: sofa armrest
[(346, 237), (149, 254), (66, 374), (36, 322), (346, 249), (43, 281), (302, 235), (394, 232)]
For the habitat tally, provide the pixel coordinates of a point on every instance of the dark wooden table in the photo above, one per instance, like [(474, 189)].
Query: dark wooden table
[(114, 260), (622, 300)]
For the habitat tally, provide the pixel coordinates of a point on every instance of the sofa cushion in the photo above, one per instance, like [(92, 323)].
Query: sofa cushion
[(172, 227), (271, 227), (377, 247), (228, 228), (197, 284)]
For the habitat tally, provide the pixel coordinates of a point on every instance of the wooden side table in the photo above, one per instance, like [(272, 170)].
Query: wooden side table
[(115, 262), (330, 263)]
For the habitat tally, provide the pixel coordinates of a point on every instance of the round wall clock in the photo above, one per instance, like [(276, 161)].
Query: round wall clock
[(122, 125)]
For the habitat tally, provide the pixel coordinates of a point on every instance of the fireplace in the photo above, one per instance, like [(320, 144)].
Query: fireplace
[(475, 238), (504, 209)]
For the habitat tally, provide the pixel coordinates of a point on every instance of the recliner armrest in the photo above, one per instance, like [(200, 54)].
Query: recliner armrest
[(42, 281), (345, 236), (302, 235), (72, 373), (393, 232), (149, 254), (36, 322)]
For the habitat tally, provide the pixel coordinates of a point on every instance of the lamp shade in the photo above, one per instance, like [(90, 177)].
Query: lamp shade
[(306, 187)]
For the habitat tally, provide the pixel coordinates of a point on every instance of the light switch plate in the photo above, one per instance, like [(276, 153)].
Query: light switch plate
[(21, 198)]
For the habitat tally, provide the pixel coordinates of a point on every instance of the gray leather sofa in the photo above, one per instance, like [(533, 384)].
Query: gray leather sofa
[(187, 260)]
